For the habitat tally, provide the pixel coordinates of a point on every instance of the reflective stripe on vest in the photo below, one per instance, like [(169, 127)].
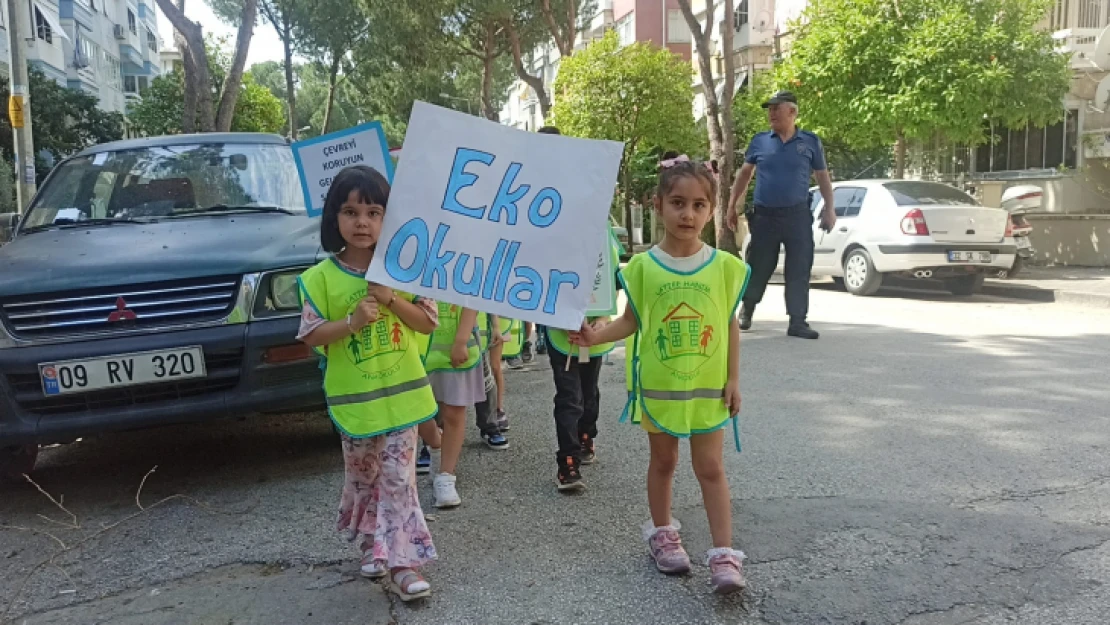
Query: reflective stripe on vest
[(678, 364), (389, 391), (374, 379)]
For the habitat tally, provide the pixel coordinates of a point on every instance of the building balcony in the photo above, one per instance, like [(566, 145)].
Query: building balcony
[(1089, 47), (602, 20)]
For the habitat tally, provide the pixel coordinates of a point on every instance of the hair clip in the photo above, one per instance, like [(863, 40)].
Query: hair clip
[(671, 162)]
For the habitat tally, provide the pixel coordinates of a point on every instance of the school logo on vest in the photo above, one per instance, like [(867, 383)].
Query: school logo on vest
[(683, 323), (379, 347)]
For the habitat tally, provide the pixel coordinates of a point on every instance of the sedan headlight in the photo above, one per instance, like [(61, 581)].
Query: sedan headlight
[(279, 295)]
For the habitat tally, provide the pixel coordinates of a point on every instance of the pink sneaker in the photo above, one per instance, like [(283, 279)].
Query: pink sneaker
[(666, 550), (727, 570)]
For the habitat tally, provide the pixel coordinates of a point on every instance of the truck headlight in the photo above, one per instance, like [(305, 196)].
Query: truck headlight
[(279, 295)]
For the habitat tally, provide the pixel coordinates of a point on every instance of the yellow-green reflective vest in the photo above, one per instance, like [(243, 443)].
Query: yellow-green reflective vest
[(514, 344), (678, 364), (374, 380), (559, 340), (443, 339)]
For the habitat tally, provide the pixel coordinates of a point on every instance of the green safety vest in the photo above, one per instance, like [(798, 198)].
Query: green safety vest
[(515, 345), (559, 340), (374, 380), (443, 339), (678, 364)]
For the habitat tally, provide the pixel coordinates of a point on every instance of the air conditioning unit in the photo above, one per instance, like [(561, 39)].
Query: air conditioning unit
[(117, 30)]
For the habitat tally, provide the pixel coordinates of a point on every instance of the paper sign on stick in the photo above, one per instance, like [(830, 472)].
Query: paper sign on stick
[(492, 218), (319, 159)]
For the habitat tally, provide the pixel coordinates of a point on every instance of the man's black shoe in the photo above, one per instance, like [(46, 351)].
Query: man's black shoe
[(802, 330), (746, 317)]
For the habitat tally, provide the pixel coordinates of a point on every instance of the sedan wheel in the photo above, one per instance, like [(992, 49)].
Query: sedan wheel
[(860, 277)]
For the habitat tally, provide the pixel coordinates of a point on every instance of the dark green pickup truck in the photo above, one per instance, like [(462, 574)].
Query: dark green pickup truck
[(152, 282)]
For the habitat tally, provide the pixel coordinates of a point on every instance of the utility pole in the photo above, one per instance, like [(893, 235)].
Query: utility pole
[(19, 105)]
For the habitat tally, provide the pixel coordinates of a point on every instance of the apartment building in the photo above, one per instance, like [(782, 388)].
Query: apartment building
[(107, 48), (657, 22)]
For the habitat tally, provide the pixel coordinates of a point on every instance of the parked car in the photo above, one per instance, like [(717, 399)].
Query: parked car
[(151, 282), (909, 229)]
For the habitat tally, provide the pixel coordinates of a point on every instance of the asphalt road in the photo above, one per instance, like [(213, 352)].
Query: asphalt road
[(929, 461)]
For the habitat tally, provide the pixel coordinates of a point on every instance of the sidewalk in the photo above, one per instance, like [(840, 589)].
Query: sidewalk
[(1081, 286)]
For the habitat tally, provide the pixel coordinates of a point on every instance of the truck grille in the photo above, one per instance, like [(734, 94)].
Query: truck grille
[(120, 308), (224, 371)]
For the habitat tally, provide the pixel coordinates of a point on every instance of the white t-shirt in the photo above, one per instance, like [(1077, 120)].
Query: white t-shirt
[(685, 264)]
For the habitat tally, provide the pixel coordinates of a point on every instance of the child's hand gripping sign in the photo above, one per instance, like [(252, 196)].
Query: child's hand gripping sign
[(495, 219)]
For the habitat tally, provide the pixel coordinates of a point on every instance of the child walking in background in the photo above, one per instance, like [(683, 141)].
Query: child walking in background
[(682, 302), (376, 388), (453, 365)]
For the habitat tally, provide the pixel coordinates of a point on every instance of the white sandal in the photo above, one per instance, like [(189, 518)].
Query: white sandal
[(371, 568), (417, 588)]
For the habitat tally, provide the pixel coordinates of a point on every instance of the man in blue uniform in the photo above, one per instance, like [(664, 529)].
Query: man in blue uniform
[(782, 160)]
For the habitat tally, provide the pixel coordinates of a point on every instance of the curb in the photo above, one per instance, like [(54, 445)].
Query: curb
[(1053, 296)]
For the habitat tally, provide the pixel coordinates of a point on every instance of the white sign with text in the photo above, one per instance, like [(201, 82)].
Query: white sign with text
[(496, 219), (319, 159)]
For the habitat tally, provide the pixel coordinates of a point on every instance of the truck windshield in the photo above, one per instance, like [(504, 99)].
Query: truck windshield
[(158, 182)]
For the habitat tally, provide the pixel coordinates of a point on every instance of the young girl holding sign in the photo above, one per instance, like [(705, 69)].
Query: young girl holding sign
[(375, 384), (682, 302)]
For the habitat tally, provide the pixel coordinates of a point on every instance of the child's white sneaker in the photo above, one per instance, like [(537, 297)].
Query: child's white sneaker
[(446, 495)]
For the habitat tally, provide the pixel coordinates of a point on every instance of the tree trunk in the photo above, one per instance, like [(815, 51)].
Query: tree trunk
[(564, 37), (229, 94), (900, 155), (290, 86), (192, 36), (489, 53), (725, 162), (535, 82), (720, 143), (189, 109), (333, 75)]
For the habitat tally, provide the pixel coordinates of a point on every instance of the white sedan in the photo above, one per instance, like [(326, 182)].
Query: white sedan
[(910, 229)]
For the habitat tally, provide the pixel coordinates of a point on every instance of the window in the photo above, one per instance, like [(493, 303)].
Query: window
[(131, 22), (626, 29), (144, 84), (843, 198), (678, 31), (151, 41), (856, 203), (695, 331), (129, 85), (740, 14), (921, 193), (42, 28), (676, 333)]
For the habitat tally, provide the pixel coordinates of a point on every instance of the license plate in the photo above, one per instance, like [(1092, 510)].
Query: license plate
[(92, 374), (969, 257)]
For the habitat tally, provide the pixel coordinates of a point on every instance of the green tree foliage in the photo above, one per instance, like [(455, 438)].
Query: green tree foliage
[(636, 94), (875, 72), (66, 121), (257, 110), (162, 108)]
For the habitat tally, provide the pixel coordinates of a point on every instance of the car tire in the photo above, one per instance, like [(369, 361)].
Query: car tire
[(860, 276), (17, 460), (965, 285)]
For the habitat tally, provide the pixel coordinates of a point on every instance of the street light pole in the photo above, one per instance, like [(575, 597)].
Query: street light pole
[(19, 104)]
